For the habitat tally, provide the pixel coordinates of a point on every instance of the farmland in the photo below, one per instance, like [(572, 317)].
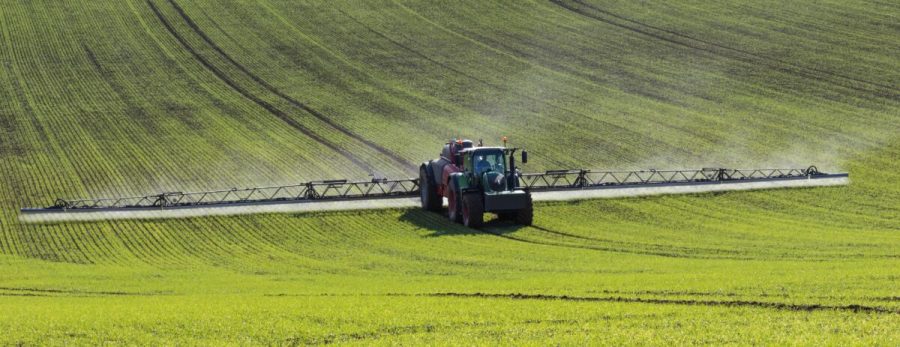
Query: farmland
[(133, 97)]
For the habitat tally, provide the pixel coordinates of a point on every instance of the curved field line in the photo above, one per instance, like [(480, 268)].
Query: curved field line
[(144, 253), (76, 292), (672, 254), (697, 133), (634, 244), (856, 308), (565, 76), (262, 103), (393, 331), (752, 58), (737, 50), (320, 116), (610, 249), (67, 129), (506, 89), (134, 112)]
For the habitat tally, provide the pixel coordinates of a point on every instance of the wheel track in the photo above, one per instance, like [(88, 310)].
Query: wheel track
[(393, 331), (161, 167), (495, 86), (578, 77), (698, 134), (737, 50), (887, 92), (256, 100), (633, 244), (661, 253), (609, 249), (220, 105), (74, 292), (86, 176), (593, 80), (716, 211), (133, 112), (855, 308), (294, 102), (154, 42)]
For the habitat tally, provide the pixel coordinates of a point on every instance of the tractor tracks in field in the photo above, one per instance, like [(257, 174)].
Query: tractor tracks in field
[(855, 308), (370, 335), (640, 297), (662, 250), (23, 291), (717, 49), (512, 91), (604, 248), (272, 109), (419, 329), (250, 96), (132, 110)]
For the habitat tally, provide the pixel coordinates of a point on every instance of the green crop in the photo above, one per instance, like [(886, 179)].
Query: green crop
[(134, 97)]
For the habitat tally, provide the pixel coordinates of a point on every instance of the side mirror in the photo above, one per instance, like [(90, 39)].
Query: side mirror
[(524, 157)]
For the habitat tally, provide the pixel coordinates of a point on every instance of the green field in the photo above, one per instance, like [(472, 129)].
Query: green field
[(101, 98)]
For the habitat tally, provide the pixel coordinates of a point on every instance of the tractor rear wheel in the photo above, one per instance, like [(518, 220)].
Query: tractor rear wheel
[(473, 210), (431, 201), (525, 216), (454, 203)]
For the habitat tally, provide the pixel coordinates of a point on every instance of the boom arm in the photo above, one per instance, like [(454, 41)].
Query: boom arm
[(578, 179)]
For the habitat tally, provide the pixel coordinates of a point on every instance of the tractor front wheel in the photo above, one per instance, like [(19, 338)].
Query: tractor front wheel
[(525, 216), (473, 210)]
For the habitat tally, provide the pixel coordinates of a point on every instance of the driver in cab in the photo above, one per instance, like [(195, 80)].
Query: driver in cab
[(482, 165)]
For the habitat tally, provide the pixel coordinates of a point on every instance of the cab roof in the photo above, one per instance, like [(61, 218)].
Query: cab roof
[(474, 149)]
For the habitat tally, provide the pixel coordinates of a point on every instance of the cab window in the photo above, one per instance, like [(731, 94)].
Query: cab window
[(490, 161)]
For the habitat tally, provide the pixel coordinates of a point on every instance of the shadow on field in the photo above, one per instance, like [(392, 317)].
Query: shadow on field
[(440, 225)]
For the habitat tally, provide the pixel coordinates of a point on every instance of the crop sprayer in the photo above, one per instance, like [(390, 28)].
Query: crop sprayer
[(470, 179)]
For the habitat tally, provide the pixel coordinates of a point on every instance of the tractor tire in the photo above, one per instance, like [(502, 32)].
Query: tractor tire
[(525, 216), (454, 203), (473, 210), (431, 201), (506, 216)]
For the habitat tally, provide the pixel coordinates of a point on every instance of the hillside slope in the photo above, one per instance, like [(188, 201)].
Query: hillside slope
[(104, 99)]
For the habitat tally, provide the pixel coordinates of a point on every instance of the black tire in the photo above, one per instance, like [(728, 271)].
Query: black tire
[(431, 201), (506, 216), (454, 203), (473, 210), (525, 216)]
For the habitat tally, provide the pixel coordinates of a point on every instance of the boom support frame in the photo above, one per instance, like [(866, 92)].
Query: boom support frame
[(380, 188)]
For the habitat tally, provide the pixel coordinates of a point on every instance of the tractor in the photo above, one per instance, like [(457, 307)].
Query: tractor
[(474, 180)]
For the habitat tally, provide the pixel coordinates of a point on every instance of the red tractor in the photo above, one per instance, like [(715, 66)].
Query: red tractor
[(475, 180)]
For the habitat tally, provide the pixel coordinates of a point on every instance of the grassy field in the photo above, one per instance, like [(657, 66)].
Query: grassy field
[(132, 97)]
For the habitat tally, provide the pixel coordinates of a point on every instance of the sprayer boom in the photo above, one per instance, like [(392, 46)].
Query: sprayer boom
[(558, 181)]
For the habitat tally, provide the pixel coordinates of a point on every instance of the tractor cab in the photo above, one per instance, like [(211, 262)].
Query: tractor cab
[(487, 168)]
